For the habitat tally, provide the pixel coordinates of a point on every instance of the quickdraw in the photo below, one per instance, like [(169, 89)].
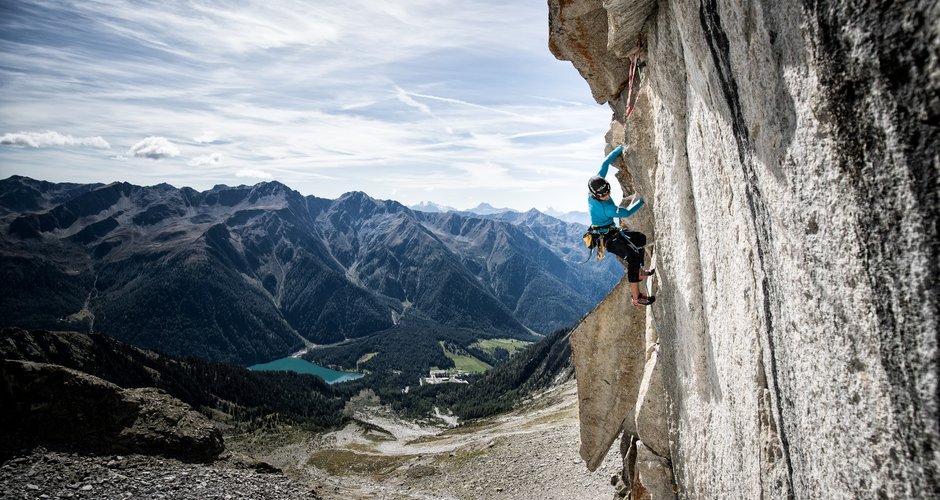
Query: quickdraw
[(631, 99)]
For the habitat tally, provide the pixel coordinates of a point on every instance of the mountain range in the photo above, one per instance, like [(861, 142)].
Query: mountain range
[(250, 273), (487, 209)]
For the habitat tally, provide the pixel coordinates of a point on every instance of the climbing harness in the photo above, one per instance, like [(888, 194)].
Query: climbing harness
[(631, 99), (595, 237)]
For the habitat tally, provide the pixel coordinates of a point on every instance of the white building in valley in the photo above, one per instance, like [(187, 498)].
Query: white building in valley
[(444, 377)]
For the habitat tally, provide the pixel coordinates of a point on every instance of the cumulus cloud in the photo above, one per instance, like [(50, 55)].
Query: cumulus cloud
[(255, 174), (207, 137), (51, 138), (154, 148), (204, 161)]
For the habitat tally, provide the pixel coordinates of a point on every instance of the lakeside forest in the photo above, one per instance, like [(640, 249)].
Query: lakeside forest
[(254, 399)]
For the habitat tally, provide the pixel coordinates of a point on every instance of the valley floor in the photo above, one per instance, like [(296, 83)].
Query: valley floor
[(529, 453)]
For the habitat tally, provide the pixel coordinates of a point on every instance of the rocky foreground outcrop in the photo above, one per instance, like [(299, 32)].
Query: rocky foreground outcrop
[(44, 404), (55, 474), (788, 153)]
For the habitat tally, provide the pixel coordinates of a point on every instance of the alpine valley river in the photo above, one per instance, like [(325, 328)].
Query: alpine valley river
[(303, 366)]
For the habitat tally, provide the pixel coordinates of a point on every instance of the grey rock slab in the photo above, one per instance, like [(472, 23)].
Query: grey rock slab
[(788, 156)]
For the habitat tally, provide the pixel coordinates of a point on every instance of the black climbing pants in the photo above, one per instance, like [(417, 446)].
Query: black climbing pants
[(617, 244)]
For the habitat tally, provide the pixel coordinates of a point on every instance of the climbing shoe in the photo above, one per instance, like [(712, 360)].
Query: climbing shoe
[(643, 300)]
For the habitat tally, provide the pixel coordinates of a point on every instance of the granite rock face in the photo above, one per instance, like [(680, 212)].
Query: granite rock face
[(788, 152), (50, 405)]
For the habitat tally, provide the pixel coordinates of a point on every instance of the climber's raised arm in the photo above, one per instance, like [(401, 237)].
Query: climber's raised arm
[(602, 209), (610, 159)]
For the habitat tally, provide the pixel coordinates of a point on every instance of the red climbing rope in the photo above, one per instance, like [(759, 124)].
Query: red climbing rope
[(631, 99)]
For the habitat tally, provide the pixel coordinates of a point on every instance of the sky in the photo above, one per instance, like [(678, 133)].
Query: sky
[(453, 102)]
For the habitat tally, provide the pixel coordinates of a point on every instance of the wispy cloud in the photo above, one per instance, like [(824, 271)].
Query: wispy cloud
[(154, 148), (356, 105), (51, 138), (412, 98), (403, 96), (473, 105), (406, 98)]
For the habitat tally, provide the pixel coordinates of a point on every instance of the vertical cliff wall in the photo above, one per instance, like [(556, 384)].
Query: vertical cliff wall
[(789, 153)]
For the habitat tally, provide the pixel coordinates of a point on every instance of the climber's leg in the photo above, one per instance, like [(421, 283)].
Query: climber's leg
[(633, 243)]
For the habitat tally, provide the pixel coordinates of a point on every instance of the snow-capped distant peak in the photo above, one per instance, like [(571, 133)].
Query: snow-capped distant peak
[(427, 206)]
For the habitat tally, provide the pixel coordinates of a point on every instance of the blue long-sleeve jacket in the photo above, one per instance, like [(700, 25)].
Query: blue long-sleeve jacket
[(603, 211)]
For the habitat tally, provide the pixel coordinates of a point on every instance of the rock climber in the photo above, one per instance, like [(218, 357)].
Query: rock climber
[(628, 245)]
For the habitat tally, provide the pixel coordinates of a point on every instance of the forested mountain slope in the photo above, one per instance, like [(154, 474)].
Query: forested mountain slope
[(251, 273)]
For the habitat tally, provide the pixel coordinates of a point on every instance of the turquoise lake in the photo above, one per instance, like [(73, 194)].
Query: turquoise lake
[(303, 366)]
